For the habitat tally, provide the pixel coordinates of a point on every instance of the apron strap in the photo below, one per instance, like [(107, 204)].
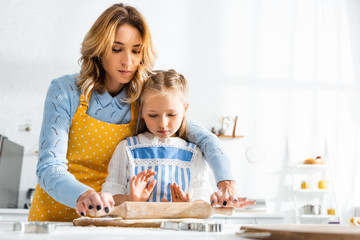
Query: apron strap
[(84, 103)]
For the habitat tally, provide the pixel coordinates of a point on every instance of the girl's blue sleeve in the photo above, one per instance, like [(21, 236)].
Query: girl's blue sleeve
[(213, 151)]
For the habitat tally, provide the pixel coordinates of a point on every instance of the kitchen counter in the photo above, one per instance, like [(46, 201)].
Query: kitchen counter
[(250, 218), (13, 214), (243, 217), (67, 231)]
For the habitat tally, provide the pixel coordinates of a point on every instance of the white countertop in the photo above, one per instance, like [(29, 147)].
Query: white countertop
[(14, 211), (251, 215), (70, 232), (237, 214)]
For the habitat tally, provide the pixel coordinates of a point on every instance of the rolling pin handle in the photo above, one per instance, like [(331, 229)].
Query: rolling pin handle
[(223, 210)]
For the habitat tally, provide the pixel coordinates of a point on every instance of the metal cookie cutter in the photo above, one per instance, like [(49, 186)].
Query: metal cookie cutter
[(192, 226), (34, 227)]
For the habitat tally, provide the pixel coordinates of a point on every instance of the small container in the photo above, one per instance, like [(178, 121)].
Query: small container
[(316, 209), (323, 184), (310, 209), (305, 185), (331, 211), (307, 209)]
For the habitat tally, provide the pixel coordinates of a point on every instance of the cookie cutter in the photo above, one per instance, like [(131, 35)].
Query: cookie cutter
[(192, 226)]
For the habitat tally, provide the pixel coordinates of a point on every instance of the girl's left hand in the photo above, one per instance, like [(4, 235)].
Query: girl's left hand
[(177, 195)]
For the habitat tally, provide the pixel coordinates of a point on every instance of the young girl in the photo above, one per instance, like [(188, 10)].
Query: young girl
[(160, 150)]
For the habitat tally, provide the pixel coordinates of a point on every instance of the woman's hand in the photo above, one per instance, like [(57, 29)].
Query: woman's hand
[(177, 195), (91, 201), (227, 196), (140, 187)]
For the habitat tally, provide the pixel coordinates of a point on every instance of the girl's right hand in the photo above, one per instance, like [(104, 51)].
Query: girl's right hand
[(177, 194), (140, 187), (91, 201)]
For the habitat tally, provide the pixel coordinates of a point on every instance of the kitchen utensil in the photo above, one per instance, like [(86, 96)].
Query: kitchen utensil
[(307, 209), (313, 209), (156, 210), (34, 227), (316, 209), (38, 227), (192, 226), (298, 231)]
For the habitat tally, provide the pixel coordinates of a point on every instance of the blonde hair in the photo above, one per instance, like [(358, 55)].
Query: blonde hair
[(161, 82), (98, 42)]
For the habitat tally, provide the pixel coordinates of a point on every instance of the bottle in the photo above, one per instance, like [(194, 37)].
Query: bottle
[(305, 185)]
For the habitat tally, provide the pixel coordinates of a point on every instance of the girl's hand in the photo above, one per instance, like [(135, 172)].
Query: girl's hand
[(177, 195), (91, 201), (140, 187)]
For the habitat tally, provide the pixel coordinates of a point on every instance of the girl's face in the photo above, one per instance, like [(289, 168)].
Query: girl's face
[(163, 114), (120, 64)]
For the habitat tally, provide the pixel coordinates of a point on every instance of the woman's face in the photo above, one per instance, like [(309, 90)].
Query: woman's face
[(123, 60)]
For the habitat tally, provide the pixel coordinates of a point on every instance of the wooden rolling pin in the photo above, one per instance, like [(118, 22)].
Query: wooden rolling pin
[(165, 210)]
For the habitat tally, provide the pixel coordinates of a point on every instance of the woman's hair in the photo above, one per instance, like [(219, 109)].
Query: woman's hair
[(99, 41), (160, 83)]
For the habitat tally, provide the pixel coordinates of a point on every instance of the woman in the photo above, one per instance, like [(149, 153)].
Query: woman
[(87, 115)]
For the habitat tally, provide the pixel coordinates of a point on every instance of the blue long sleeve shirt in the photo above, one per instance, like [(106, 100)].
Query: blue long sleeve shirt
[(61, 103)]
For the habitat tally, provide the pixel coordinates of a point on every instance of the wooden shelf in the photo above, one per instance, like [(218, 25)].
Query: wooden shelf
[(233, 132), (229, 136)]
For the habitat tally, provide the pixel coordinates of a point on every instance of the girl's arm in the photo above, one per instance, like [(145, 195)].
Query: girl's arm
[(200, 186), (140, 188), (117, 180), (51, 171)]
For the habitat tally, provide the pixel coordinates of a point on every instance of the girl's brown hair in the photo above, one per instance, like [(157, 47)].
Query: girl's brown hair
[(161, 82), (98, 42)]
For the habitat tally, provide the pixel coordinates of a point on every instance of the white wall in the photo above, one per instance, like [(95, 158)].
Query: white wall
[(233, 69)]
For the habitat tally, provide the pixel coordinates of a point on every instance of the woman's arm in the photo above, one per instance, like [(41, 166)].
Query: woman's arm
[(219, 162), (115, 183), (51, 171), (213, 151)]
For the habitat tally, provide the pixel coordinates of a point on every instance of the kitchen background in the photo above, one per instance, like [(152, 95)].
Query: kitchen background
[(289, 69)]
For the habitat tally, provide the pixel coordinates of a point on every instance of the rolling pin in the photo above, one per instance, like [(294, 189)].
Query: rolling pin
[(164, 210)]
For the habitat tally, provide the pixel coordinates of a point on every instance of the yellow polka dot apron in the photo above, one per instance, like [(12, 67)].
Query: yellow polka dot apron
[(91, 144)]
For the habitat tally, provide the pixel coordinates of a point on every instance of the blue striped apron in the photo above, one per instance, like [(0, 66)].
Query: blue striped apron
[(171, 164)]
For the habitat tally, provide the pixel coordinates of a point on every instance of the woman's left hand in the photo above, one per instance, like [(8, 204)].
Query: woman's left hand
[(227, 196), (177, 195)]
